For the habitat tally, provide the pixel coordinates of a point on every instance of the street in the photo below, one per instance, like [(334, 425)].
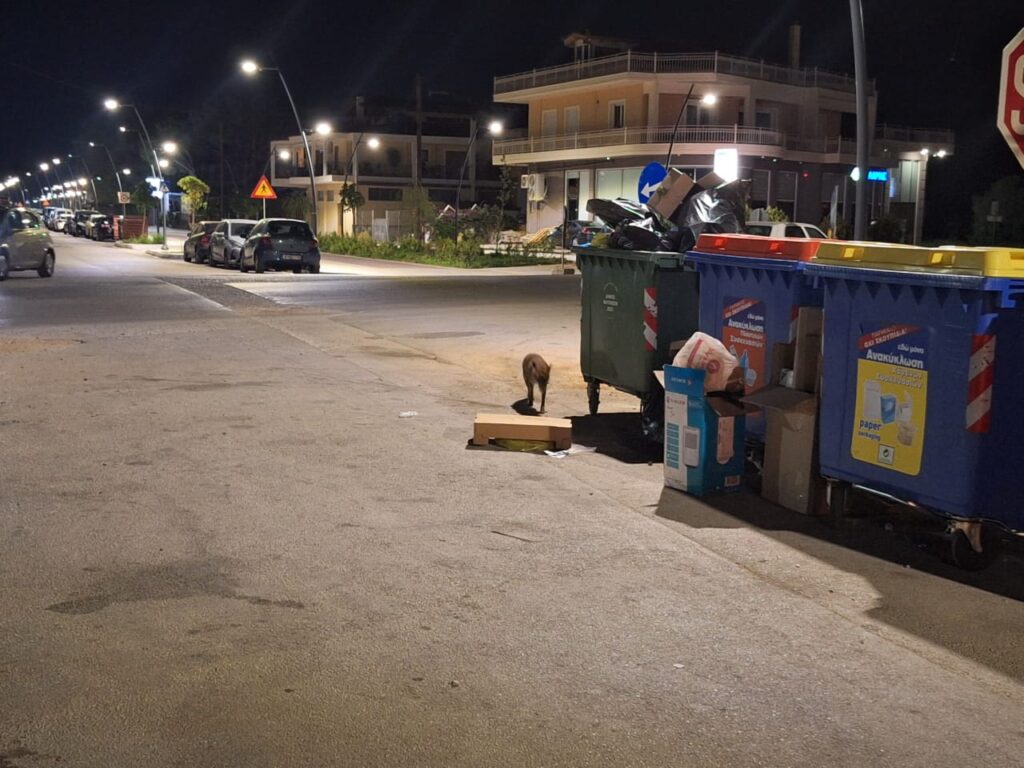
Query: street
[(240, 526)]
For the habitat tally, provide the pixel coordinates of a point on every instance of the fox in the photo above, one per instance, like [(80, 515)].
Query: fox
[(536, 371)]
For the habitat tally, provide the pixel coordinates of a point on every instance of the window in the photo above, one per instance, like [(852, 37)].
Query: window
[(572, 119), (384, 194), (330, 195), (290, 229), (549, 122), (14, 220), (617, 114), (794, 231), (241, 230), (766, 118), (320, 195)]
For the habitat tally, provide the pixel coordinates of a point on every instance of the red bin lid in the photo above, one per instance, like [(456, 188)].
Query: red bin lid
[(759, 246)]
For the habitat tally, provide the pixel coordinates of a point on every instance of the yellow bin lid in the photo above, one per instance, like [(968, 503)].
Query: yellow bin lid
[(953, 260)]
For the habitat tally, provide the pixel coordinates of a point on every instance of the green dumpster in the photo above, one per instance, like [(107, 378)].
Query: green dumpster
[(634, 305)]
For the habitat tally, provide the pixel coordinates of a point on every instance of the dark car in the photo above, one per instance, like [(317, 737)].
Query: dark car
[(77, 223), (227, 241), (578, 232), (281, 244), (24, 243), (197, 245), (101, 228)]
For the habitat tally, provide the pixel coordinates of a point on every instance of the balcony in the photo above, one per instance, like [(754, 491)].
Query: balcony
[(643, 138), (653, 141), (673, 63)]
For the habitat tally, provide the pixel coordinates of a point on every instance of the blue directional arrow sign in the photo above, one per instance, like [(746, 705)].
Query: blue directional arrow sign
[(650, 177)]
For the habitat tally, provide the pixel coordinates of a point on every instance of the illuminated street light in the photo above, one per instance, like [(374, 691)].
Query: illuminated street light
[(250, 67), (170, 147), (111, 104), (163, 162), (709, 99), (373, 142), (322, 128), (56, 161), (126, 171), (925, 151), (284, 154), (44, 167), (494, 127)]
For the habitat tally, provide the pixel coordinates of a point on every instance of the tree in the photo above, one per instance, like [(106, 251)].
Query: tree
[(195, 190), (352, 199), (295, 206), (142, 198), (421, 210)]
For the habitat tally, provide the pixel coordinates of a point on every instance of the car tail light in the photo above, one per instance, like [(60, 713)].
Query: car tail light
[(205, 240), (267, 240), (314, 245)]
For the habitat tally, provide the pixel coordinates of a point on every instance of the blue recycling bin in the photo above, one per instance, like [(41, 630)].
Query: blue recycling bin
[(751, 289), (922, 366)]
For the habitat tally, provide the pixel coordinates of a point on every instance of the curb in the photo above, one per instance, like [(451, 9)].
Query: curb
[(167, 254)]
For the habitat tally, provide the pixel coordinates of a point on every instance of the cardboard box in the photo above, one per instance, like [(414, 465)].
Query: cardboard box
[(704, 435), (807, 351), (790, 477), (488, 426), (671, 193)]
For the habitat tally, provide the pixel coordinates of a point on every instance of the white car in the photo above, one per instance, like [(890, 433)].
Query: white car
[(783, 229), (227, 240)]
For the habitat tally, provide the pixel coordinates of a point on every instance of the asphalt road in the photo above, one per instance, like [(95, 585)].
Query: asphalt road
[(222, 544)]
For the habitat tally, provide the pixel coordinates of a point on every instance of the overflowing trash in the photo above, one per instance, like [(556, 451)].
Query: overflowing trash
[(679, 212)]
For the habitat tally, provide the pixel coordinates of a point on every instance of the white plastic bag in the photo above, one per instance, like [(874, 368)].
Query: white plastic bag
[(706, 353)]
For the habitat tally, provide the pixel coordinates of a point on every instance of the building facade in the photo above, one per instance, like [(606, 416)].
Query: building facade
[(385, 169), (596, 122)]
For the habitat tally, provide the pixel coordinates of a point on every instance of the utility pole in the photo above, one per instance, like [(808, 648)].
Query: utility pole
[(860, 72), (220, 127), (417, 171)]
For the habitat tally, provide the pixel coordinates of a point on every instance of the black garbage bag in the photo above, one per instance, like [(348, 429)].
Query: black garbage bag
[(643, 235), (614, 212), (718, 210)]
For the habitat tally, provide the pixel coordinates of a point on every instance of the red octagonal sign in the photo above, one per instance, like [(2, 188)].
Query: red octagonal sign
[(1011, 96)]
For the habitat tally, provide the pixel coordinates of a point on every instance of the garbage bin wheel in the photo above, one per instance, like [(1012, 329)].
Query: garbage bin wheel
[(593, 396), (964, 555), (652, 416)]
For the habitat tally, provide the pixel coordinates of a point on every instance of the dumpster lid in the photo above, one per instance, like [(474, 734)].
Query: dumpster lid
[(980, 262), (659, 258), (759, 246)]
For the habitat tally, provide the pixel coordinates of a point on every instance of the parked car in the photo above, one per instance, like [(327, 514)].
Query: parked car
[(197, 244), (281, 244), (784, 229), (77, 223), (51, 216), (24, 243), (578, 232), (100, 227), (227, 240), (60, 221)]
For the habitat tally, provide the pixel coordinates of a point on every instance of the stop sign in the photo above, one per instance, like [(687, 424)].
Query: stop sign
[(1011, 96)]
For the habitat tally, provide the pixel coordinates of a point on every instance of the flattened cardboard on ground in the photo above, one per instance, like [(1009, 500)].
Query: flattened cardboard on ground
[(671, 193), (488, 426)]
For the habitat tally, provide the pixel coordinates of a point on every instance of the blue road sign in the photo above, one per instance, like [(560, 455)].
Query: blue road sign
[(650, 177)]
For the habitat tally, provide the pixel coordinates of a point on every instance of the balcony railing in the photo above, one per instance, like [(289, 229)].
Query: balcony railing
[(714, 134), (615, 137), (674, 63)]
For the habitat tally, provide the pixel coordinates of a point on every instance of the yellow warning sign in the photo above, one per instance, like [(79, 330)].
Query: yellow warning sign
[(263, 190)]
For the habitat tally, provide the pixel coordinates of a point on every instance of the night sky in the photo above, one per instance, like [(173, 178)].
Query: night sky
[(936, 63)]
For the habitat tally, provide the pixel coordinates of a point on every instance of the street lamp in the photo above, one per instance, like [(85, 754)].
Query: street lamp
[(117, 176), (251, 68), (494, 128), (373, 143), (126, 171), (113, 105)]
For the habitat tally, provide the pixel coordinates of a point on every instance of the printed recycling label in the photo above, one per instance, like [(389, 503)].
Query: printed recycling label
[(892, 396), (744, 335)]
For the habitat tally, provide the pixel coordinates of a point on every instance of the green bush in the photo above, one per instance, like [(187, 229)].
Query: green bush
[(146, 240), (466, 253)]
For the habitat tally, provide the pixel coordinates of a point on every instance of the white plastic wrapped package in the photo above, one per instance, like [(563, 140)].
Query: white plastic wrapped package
[(708, 354)]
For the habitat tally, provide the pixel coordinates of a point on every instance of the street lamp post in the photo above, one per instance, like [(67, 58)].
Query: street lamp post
[(117, 176), (373, 143), (113, 105), (494, 128), (251, 68), (88, 175)]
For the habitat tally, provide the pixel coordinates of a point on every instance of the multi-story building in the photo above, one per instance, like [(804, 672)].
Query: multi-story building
[(383, 166), (596, 122)]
